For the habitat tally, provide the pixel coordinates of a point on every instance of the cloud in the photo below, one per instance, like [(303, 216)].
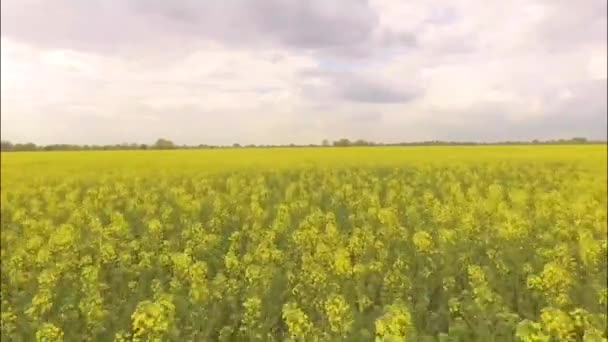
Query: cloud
[(374, 92), (276, 71), (106, 25), (356, 87)]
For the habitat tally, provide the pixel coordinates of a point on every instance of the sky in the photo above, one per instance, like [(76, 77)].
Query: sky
[(279, 71)]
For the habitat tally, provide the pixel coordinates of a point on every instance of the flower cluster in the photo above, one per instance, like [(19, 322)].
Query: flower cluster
[(488, 250)]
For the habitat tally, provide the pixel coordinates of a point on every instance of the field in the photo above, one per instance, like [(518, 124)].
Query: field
[(499, 243)]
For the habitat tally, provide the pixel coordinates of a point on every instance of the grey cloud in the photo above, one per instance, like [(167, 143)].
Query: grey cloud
[(392, 38), (583, 115), (307, 24), (366, 117), (551, 26), (186, 124), (104, 25), (442, 16), (345, 29), (379, 44), (355, 87), (79, 25), (495, 126), (373, 92), (568, 22)]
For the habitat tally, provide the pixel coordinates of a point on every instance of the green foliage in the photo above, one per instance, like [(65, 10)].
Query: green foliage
[(164, 144)]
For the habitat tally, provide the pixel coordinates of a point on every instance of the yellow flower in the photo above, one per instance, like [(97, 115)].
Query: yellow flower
[(556, 282), (151, 320), (338, 314), (395, 324), (342, 264), (297, 321), (422, 241), (49, 333), (558, 324)]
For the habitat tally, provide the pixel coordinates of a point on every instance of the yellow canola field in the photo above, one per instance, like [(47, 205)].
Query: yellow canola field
[(493, 243)]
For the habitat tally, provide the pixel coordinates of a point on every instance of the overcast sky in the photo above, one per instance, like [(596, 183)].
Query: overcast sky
[(272, 71)]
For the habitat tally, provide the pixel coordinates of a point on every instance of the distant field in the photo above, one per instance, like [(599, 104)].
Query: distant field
[(33, 165), (493, 243)]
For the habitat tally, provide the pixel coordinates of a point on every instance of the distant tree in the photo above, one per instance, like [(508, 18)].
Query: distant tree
[(25, 147), (164, 144), (6, 145), (342, 142), (579, 140)]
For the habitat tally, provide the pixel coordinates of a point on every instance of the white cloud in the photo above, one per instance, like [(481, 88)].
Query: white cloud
[(598, 63), (383, 70)]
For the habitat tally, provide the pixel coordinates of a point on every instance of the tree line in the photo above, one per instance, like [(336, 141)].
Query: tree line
[(165, 144)]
